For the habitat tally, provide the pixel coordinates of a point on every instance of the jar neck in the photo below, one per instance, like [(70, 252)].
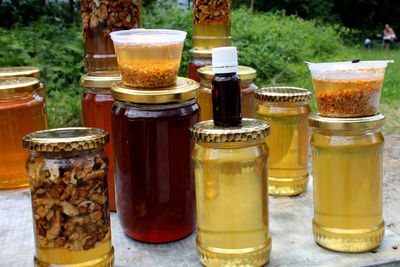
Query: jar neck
[(66, 155), (284, 104), (347, 132), (98, 90), (243, 83), (26, 96), (162, 106)]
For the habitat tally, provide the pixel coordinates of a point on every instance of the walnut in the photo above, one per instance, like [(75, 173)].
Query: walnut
[(212, 12)]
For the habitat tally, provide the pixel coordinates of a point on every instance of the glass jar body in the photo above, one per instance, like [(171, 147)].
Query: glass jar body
[(96, 112), (232, 203), (288, 143), (20, 114), (70, 208), (195, 63), (99, 18), (347, 173), (205, 99), (154, 175)]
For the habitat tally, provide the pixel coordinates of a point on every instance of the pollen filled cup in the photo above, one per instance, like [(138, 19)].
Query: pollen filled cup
[(347, 89), (148, 58)]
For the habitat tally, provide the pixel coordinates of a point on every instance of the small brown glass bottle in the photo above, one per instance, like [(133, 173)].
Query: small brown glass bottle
[(226, 93)]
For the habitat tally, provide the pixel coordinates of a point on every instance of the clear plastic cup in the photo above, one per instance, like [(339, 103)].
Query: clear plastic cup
[(346, 89), (148, 58)]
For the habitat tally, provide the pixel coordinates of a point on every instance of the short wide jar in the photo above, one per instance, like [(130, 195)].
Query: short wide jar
[(232, 193), (22, 111), (96, 112), (154, 174), (347, 173), (67, 171), (286, 109), (246, 75)]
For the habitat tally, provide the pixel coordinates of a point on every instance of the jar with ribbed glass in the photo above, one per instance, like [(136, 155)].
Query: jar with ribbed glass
[(232, 193), (22, 111), (286, 109), (246, 75), (154, 175), (347, 172), (67, 170), (24, 71), (198, 59), (211, 24), (96, 112)]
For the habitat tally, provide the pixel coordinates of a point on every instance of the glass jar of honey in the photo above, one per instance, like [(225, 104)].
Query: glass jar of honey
[(198, 59), (22, 111), (286, 109), (232, 193), (211, 24), (154, 175), (99, 18), (246, 75), (67, 171), (347, 173), (96, 111), (24, 71)]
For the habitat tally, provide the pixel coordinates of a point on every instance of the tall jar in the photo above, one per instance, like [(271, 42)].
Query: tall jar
[(22, 111), (96, 112), (99, 18), (24, 71), (347, 173), (246, 75), (67, 171), (232, 193), (211, 24), (154, 175), (286, 109), (198, 59)]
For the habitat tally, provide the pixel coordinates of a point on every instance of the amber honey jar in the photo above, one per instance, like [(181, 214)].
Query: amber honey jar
[(24, 71), (99, 18), (67, 171), (232, 193), (246, 75), (211, 24), (96, 112), (198, 59), (347, 173), (22, 111), (286, 109), (154, 175)]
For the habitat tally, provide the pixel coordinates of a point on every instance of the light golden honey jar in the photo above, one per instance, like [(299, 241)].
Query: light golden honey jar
[(286, 109), (347, 173), (246, 75), (67, 171), (231, 193)]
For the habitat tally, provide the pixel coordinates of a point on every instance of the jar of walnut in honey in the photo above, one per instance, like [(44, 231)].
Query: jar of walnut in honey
[(67, 170)]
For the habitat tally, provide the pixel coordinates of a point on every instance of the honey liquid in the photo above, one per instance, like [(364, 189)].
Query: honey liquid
[(206, 37), (288, 144), (347, 175), (17, 119), (232, 207)]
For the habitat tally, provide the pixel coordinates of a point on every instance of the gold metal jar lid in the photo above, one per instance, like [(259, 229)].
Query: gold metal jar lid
[(100, 81), (184, 89), (244, 73), (283, 94), (347, 124), (200, 53), (23, 71), (65, 139), (249, 130), (10, 86)]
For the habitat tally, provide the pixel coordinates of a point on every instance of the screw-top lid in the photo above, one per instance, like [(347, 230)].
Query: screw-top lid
[(10, 86), (249, 130), (22, 71), (184, 89), (283, 94), (347, 124), (200, 53), (245, 73), (224, 59), (100, 81), (65, 139)]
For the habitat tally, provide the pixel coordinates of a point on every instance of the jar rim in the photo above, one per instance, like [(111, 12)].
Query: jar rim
[(249, 130), (19, 71), (244, 73), (104, 81), (15, 85), (283, 94), (65, 139), (200, 53), (347, 124)]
